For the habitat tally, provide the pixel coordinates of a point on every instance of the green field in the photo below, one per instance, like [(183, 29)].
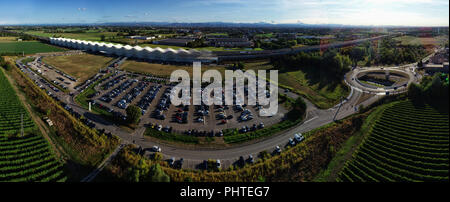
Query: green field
[(89, 36), (266, 35), (162, 70), (28, 47), (407, 143), (80, 66), (322, 95), (27, 158)]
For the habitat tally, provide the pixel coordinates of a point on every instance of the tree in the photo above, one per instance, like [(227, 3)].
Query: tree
[(102, 37), (420, 64), (133, 114), (415, 93), (357, 54), (240, 65), (158, 175)]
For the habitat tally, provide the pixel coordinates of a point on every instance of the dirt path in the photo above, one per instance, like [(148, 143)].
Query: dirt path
[(39, 122)]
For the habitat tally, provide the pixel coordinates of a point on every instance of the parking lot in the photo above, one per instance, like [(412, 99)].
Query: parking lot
[(54, 75), (122, 89)]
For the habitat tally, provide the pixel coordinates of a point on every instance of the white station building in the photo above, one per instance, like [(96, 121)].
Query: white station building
[(152, 54)]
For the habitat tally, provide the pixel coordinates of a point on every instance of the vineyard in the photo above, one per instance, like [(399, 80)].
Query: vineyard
[(27, 158), (407, 143), (11, 109)]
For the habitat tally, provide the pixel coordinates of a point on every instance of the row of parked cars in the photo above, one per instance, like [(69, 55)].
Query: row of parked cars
[(246, 129), (163, 105), (148, 98), (131, 95), (65, 75), (113, 82), (88, 82), (204, 133), (59, 84), (47, 84), (246, 115), (108, 97)]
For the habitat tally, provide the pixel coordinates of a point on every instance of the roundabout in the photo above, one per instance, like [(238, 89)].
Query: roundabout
[(381, 80)]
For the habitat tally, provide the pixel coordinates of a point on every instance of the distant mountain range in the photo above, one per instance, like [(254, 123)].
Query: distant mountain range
[(215, 24), (206, 24)]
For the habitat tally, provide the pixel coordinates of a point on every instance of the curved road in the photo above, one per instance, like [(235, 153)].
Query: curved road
[(193, 157)]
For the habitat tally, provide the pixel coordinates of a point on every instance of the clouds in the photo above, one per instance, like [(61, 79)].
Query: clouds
[(353, 12)]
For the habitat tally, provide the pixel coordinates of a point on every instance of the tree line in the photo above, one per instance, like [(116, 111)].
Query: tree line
[(432, 90), (329, 65)]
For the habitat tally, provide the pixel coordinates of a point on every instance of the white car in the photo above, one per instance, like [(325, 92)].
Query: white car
[(291, 142), (218, 163), (278, 149), (156, 149), (298, 137)]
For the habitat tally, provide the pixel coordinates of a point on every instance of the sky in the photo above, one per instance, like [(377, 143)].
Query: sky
[(347, 12)]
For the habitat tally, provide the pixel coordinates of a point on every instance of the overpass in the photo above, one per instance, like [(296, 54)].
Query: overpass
[(243, 55)]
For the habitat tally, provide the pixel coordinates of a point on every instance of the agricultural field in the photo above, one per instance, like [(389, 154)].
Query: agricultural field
[(28, 47), (407, 143), (7, 39), (27, 158), (89, 36), (80, 66), (424, 41), (11, 110), (161, 69)]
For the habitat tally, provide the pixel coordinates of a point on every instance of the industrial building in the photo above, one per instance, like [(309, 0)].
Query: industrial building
[(141, 37), (230, 42), (146, 53), (174, 42)]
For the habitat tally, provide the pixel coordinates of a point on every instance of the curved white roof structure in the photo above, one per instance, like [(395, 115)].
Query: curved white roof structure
[(180, 55)]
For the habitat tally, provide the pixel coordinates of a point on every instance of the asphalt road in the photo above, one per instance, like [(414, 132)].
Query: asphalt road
[(192, 157)]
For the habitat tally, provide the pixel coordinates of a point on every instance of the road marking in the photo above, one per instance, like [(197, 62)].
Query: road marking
[(311, 119)]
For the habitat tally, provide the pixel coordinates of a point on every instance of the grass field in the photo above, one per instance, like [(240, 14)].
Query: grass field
[(425, 41), (28, 47), (162, 70), (322, 95), (80, 66), (407, 143), (90, 36)]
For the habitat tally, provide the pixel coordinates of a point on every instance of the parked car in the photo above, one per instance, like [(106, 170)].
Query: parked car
[(156, 149), (298, 137), (277, 149)]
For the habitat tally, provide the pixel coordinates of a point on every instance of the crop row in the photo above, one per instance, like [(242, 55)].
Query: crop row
[(405, 144)]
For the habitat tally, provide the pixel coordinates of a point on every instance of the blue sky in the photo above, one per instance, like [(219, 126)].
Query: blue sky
[(350, 12)]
